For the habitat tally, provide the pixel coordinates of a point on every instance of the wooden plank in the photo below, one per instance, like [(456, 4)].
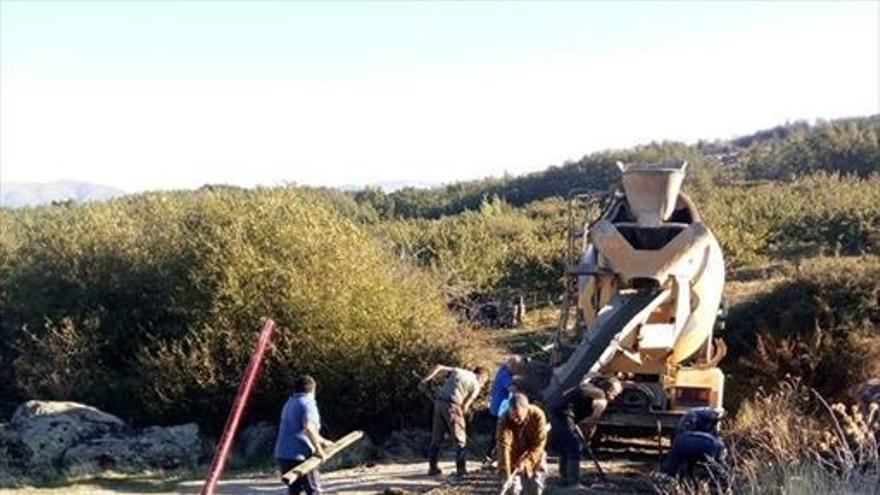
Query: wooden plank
[(314, 462)]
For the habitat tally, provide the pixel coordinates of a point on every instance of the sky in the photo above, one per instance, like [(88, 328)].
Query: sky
[(143, 95)]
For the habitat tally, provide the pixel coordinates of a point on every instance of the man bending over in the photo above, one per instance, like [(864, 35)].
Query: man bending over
[(521, 439), (455, 399)]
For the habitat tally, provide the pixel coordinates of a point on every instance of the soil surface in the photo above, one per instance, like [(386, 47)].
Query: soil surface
[(625, 476)]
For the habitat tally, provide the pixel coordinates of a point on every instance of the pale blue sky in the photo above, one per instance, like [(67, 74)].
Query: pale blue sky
[(164, 94)]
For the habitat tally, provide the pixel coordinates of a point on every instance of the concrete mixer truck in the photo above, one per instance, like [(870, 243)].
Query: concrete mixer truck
[(645, 283)]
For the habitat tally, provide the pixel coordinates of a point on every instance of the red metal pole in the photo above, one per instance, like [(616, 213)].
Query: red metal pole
[(241, 400)]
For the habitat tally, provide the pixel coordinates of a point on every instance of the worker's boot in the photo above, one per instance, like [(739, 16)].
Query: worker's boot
[(460, 462), (433, 459), (572, 472), (563, 471)]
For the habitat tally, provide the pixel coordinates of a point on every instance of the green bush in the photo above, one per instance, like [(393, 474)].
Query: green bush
[(498, 249), (820, 325), (158, 295), (847, 146), (503, 249), (821, 214)]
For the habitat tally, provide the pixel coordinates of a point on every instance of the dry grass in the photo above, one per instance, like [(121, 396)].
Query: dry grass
[(792, 442)]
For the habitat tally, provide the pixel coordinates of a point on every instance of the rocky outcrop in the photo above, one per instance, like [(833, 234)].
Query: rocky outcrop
[(46, 437), (47, 429), (155, 447)]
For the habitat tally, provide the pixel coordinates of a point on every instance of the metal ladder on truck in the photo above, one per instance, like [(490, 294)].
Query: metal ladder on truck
[(583, 205)]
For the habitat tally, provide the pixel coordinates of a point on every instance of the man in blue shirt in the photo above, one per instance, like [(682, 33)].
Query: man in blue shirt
[(299, 435), (502, 389)]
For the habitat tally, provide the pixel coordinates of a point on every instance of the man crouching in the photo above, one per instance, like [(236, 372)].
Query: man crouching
[(521, 438)]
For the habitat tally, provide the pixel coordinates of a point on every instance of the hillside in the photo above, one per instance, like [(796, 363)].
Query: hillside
[(144, 305), (845, 146)]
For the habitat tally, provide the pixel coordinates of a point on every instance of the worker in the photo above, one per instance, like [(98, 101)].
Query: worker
[(692, 449), (299, 436), (697, 442), (521, 439), (503, 387), (575, 419), (452, 403)]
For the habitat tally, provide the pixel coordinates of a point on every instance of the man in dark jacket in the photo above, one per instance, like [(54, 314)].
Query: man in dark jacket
[(575, 419), (696, 442)]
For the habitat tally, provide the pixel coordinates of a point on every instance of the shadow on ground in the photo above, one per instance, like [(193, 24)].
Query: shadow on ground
[(409, 477)]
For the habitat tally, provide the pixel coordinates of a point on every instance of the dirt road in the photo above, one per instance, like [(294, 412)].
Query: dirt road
[(410, 477), (627, 477)]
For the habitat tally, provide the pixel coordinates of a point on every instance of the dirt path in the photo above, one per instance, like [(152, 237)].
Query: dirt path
[(627, 477), (364, 480)]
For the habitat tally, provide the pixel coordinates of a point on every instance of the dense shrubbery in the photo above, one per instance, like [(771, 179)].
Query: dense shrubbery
[(596, 171), (819, 324), (850, 146), (145, 306), (755, 222), (501, 249), (497, 249)]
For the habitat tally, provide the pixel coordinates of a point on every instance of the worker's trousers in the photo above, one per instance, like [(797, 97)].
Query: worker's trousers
[(448, 420), (691, 448), (565, 435)]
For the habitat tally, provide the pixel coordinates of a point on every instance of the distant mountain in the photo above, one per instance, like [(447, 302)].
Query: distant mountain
[(389, 186), (18, 194)]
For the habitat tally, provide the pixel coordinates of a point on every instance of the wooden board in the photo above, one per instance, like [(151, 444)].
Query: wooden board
[(314, 462)]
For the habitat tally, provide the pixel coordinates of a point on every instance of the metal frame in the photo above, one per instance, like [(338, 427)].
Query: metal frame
[(241, 399), (573, 267)]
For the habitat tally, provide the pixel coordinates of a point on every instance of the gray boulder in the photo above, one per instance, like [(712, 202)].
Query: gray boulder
[(258, 442), (46, 429), (361, 452), (154, 447), (405, 444), (46, 437), (13, 452)]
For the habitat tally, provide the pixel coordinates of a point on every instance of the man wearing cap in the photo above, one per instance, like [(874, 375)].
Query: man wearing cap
[(697, 442)]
